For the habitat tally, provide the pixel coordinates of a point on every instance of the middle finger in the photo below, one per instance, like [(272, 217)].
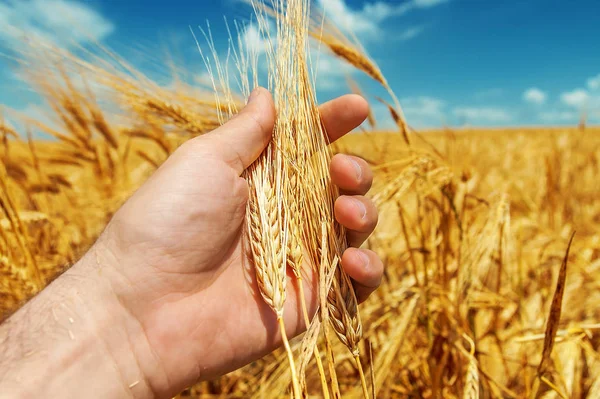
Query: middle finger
[(351, 174)]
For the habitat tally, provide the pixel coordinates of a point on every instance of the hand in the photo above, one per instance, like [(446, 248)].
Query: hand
[(173, 256)]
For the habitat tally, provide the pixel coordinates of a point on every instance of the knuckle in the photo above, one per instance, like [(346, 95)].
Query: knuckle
[(370, 221), (366, 183), (367, 178), (375, 270), (255, 123)]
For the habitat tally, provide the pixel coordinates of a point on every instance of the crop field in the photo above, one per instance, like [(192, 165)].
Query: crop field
[(490, 237)]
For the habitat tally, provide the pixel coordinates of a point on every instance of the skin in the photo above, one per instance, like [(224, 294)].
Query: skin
[(167, 296)]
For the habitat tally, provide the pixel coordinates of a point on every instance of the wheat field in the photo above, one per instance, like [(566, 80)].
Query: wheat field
[(490, 237)]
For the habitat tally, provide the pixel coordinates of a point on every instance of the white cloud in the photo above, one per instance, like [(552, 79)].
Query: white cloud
[(203, 79), (65, 22), (594, 82), (535, 96), (428, 3), (424, 106), (482, 114), (577, 98), (423, 111), (411, 33), (362, 22), (254, 40), (330, 71), (559, 117), (577, 102), (379, 11), (366, 21)]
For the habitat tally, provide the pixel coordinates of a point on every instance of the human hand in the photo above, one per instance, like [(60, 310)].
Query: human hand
[(173, 256)]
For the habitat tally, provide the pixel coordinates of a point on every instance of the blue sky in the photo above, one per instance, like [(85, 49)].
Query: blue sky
[(452, 62)]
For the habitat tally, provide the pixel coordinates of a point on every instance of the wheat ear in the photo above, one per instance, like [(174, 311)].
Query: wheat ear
[(345, 318)]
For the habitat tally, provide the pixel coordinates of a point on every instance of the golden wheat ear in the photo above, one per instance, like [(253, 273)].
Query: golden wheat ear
[(290, 188)]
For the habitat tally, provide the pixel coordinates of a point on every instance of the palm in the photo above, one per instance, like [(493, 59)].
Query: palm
[(204, 273)]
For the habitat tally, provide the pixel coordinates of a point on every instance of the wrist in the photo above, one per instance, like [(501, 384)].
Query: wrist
[(74, 339)]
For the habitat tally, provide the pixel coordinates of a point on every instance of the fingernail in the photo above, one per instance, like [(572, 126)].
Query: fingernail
[(362, 209), (253, 95), (364, 259), (357, 169)]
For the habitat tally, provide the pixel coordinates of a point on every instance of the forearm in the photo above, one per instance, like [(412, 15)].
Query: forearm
[(73, 340)]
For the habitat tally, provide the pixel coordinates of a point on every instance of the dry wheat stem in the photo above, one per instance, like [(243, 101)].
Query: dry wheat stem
[(316, 353), (295, 386)]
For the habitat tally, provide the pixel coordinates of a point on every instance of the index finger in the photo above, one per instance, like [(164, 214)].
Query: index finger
[(342, 115)]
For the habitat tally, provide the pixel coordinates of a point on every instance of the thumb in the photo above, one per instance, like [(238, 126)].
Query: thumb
[(240, 141)]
